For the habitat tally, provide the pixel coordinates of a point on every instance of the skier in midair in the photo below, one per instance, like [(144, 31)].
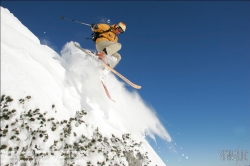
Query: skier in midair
[(106, 40)]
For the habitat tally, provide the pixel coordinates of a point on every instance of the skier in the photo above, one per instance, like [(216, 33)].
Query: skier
[(105, 37)]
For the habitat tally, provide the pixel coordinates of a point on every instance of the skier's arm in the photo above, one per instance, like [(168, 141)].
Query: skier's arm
[(99, 27)]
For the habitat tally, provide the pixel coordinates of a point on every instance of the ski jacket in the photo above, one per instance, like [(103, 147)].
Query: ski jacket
[(104, 32)]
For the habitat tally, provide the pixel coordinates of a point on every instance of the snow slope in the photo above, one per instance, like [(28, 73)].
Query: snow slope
[(61, 86)]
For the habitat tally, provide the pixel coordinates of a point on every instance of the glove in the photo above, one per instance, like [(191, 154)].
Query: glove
[(94, 26)]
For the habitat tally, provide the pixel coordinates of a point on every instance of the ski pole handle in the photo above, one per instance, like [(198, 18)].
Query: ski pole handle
[(62, 17)]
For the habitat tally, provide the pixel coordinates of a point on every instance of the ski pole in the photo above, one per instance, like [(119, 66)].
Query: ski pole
[(62, 17)]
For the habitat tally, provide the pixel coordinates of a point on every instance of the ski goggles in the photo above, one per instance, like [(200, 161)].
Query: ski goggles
[(120, 30)]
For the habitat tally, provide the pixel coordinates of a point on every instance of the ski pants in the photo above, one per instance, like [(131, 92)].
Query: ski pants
[(112, 48)]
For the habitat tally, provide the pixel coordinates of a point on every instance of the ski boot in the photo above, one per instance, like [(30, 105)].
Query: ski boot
[(102, 55)]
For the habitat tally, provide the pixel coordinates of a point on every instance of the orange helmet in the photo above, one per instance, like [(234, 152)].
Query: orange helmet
[(121, 25)]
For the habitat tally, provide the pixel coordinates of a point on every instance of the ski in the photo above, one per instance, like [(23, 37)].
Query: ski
[(107, 92), (109, 68), (121, 76)]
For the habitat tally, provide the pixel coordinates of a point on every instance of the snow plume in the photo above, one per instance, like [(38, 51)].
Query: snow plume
[(64, 93), (46, 41), (128, 108), (105, 20)]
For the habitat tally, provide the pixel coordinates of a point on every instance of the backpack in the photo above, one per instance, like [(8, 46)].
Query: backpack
[(96, 35)]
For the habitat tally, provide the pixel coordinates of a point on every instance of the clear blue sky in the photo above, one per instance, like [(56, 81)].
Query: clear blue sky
[(192, 60)]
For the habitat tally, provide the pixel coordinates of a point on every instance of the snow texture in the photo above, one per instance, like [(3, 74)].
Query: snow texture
[(61, 85)]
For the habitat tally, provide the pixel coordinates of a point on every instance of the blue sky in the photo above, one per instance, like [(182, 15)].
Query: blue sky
[(192, 60)]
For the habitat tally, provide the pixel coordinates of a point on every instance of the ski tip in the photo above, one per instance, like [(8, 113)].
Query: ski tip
[(76, 44), (137, 87)]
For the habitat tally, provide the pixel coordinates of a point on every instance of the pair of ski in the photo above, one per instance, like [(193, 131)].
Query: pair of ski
[(111, 69)]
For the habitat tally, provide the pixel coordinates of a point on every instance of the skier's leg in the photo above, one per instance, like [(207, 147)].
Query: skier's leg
[(113, 48), (110, 47), (103, 44), (116, 57), (113, 51)]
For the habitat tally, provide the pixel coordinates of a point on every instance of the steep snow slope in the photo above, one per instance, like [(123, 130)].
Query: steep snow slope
[(61, 87)]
